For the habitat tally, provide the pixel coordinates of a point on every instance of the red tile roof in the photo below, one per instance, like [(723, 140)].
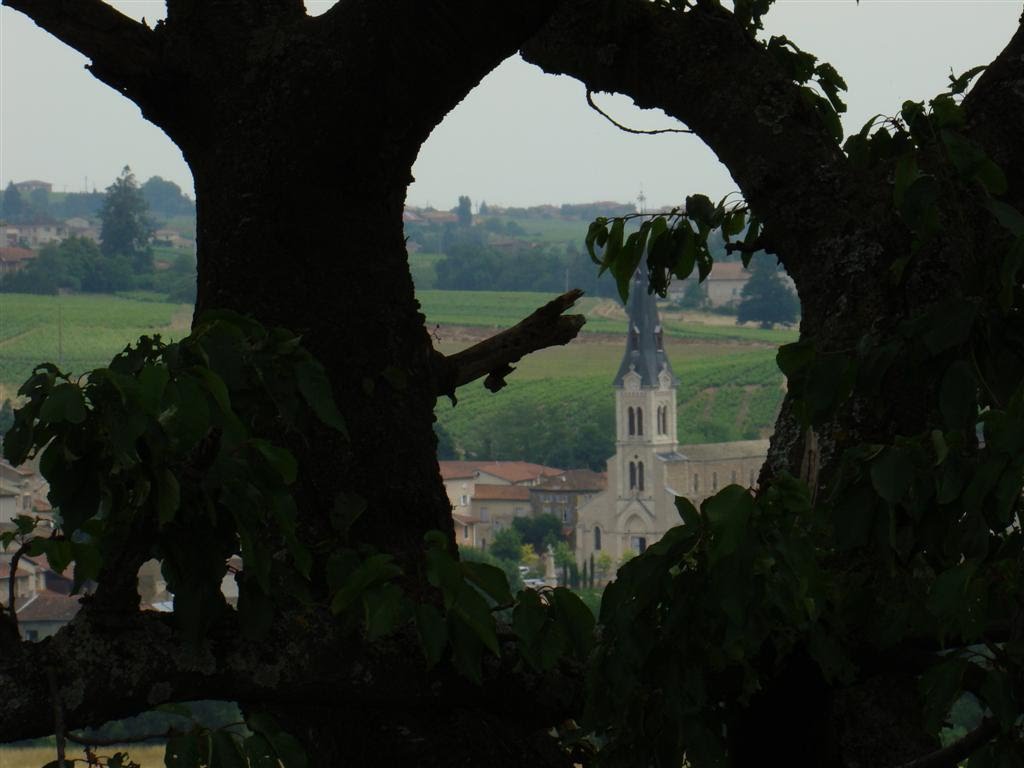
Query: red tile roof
[(13, 253), (574, 480), (519, 471), (485, 492), (47, 605), (453, 469)]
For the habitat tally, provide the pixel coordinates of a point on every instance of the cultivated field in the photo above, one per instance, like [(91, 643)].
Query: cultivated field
[(729, 389), (78, 332)]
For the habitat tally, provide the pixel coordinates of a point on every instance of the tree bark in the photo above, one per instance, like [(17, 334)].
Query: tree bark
[(301, 134)]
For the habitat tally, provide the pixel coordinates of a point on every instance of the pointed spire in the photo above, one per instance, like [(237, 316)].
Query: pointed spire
[(645, 351)]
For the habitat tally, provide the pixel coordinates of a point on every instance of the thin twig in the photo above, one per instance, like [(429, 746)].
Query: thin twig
[(621, 127), (11, 607)]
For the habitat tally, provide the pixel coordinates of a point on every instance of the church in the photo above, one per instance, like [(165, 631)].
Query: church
[(650, 469)]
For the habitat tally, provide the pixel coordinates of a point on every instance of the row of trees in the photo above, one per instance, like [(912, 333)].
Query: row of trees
[(123, 259), (164, 198)]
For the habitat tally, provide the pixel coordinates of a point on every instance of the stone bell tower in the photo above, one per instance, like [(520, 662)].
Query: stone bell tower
[(645, 397)]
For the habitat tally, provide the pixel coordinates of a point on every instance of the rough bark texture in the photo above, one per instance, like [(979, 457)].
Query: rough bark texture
[(301, 134)]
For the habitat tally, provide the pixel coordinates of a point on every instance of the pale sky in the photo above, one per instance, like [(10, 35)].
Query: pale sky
[(521, 137)]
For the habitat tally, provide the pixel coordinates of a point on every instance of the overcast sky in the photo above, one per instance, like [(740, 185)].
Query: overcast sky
[(521, 137)]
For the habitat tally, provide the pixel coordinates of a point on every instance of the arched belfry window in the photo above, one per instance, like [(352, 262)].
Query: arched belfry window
[(640, 475), (632, 420), (639, 421), (632, 475), (597, 537)]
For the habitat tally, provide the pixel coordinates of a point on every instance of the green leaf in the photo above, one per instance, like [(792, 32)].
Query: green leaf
[(958, 396), (941, 686), (225, 752), (997, 691), (905, 174), (949, 325), (280, 459), (374, 570), (793, 358), (88, 562), (348, 507), (892, 474), (490, 579), (1008, 216), (383, 610), (576, 619), (433, 632), (728, 514), (467, 649), (168, 496), (182, 751), (64, 403), (471, 608), (947, 596), (316, 389), (259, 752), (152, 381), (289, 751)]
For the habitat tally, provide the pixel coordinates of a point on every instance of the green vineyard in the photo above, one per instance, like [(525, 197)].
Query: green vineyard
[(557, 408)]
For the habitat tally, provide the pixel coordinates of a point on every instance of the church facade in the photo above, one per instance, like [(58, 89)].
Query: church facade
[(650, 469)]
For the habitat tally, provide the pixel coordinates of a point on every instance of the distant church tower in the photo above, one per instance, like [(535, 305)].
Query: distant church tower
[(645, 400)]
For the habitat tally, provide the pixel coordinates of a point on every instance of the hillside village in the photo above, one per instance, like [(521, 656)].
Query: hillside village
[(610, 515)]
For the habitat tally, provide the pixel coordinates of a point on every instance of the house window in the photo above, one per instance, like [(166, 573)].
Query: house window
[(734, 476), (597, 538), (485, 515), (696, 483), (640, 475), (714, 481), (483, 543), (632, 420), (639, 421), (464, 500), (519, 512), (465, 531), (565, 515), (632, 475), (32, 635), (638, 544)]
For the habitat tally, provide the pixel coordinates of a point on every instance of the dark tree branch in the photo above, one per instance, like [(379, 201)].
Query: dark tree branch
[(306, 660), (493, 358), (995, 109), (952, 755), (122, 51), (621, 127), (703, 69)]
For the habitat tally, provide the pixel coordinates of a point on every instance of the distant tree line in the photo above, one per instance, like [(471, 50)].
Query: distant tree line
[(164, 198), (123, 260)]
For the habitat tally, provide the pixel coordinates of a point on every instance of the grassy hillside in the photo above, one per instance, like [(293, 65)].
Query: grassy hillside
[(92, 329), (558, 407)]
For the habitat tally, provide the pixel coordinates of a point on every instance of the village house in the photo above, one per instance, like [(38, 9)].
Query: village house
[(486, 495), (724, 284), (564, 494), (34, 235), (13, 258), (649, 468)]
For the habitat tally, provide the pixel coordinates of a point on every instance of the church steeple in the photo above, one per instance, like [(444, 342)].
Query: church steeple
[(645, 350)]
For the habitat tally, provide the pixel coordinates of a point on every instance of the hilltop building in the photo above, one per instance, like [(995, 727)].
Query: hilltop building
[(650, 469)]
